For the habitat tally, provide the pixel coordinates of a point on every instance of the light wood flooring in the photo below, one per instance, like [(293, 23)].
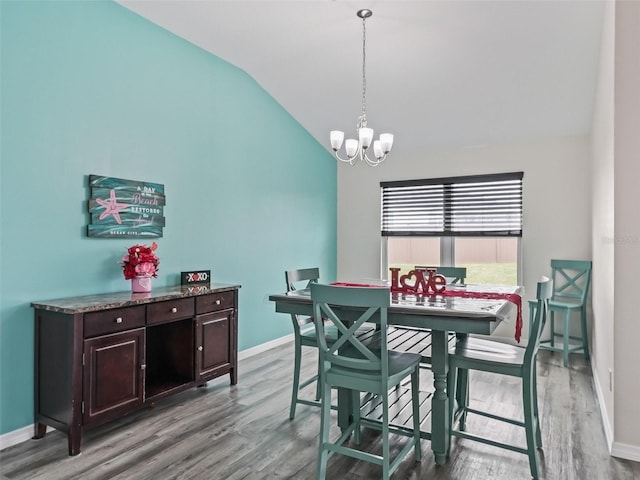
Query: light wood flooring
[(243, 432)]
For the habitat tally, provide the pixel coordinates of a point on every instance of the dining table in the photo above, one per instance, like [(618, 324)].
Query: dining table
[(462, 310)]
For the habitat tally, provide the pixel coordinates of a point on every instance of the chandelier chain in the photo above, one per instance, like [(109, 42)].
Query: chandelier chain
[(363, 118)]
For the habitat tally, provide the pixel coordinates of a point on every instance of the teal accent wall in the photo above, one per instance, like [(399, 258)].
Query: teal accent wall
[(91, 88)]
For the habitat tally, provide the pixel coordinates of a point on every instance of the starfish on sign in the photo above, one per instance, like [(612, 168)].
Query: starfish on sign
[(111, 207)]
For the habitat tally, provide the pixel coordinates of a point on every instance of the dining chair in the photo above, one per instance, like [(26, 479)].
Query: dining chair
[(571, 280), (304, 335), (350, 364), (491, 356)]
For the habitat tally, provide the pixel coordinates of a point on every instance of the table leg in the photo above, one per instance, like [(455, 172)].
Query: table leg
[(440, 436)]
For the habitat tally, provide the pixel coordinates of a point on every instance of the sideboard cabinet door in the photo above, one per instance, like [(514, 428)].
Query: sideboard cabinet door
[(113, 375), (213, 344)]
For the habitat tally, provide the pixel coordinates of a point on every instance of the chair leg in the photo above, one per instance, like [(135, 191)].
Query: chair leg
[(565, 339), (536, 415), (325, 424), (552, 328), (385, 437), (297, 354), (528, 402), (319, 380), (585, 335), (463, 396), (415, 398), (355, 401)]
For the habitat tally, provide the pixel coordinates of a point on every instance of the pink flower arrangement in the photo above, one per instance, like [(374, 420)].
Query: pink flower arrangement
[(140, 261)]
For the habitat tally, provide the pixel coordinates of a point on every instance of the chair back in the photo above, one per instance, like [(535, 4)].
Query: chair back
[(544, 293), (571, 279), (452, 274), (348, 351), (301, 279)]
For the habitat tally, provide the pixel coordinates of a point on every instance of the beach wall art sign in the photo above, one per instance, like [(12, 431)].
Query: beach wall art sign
[(120, 208)]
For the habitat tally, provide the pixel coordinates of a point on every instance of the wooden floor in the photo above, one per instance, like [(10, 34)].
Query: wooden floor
[(243, 432)]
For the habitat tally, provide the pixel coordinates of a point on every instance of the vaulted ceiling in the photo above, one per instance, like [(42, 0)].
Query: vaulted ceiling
[(439, 72)]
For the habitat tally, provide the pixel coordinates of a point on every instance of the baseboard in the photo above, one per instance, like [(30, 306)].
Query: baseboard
[(16, 436), (263, 347), (616, 449), (606, 423), (23, 434), (628, 452)]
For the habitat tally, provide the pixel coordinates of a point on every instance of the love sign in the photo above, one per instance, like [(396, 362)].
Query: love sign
[(415, 282)]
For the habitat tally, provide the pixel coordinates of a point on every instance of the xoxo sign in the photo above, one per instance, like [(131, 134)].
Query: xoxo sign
[(201, 277), (415, 282)]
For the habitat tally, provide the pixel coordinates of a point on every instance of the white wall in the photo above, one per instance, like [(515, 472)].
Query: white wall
[(569, 184), (602, 136), (627, 227), (557, 201)]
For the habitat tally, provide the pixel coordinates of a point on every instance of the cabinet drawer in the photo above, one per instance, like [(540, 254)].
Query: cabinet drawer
[(215, 301), (171, 310), (112, 321)]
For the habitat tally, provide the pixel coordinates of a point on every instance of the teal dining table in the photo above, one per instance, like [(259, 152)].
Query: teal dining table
[(443, 315)]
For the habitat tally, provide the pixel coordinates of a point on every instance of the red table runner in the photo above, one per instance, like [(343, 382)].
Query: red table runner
[(512, 297)]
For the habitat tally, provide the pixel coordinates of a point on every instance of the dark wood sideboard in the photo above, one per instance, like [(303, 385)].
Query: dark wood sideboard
[(100, 357)]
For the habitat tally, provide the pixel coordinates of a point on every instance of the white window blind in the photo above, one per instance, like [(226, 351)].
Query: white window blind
[(479, 205)]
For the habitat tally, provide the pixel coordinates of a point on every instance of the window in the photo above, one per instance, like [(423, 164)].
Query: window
[(472, 221)]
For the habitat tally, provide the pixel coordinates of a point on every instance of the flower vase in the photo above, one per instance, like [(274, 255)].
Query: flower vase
[(141, 284)]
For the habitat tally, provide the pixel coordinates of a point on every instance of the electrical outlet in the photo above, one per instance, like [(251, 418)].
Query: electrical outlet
[(611, 380)]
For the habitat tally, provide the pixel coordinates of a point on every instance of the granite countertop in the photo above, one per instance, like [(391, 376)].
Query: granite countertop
[(89, 303)]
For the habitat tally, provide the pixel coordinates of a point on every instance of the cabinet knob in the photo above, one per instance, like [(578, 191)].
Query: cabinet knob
[(143, 366), (218, 302), (174, 310), (119, 320), (200, 348)]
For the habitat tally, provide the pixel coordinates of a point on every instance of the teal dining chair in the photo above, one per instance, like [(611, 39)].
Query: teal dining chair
[(571, 280), (370, 367), (304, 335), (491, 356)]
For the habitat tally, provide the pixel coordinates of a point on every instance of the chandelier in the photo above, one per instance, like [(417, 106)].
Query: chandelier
[(357, 149)]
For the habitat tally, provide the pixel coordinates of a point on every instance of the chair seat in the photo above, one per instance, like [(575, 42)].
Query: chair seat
[(400, 364), (487, 352), (309, 335), (557, 304)]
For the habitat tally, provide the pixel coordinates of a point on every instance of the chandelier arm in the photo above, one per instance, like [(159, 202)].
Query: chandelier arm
[(373, 163), (345, 160)]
